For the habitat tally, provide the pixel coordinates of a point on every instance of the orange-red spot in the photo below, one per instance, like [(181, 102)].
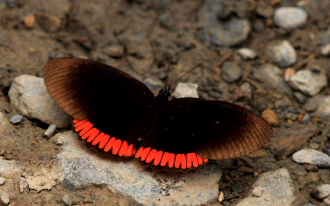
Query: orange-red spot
[(129, 151), (123, 148), (139, 152), (145, 153), (91, 133), (165, 159), (80, 123), (102, 139), (192, 160), (151, 155), (183, 161), (158, 157), (205, 160), (116, 146), (171, 160), (200, 160), (84, 128), (178, 160), (75, 121), (110, 144)]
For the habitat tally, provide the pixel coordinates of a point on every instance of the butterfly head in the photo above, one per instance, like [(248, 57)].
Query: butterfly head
[(165, 92)]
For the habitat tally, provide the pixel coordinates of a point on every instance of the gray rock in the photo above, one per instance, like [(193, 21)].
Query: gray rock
[(264, 9), (115, 51), (231, 72), (247, 53), (10, 169), (185, 90), (309, 82), (4, 198), (322, 191), (223, 33), (29, 96), (154, 84), (282, 53), (319, 104), (311, 156), (271, 189), (290, 17), (16, 119), (272, 77), (81, 168), (325, 50), (67, 200)]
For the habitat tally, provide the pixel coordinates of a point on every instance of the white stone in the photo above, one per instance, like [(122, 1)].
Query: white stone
[(311, 156), (185, 90), (290, 17)]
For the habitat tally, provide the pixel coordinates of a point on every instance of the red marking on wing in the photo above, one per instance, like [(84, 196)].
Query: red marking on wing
[(161, 158), (88, 132)]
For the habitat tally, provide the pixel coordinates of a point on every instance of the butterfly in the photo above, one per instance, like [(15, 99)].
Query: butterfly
[(119, 115)]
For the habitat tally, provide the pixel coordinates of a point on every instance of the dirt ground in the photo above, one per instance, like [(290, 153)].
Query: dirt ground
[(157, 39)]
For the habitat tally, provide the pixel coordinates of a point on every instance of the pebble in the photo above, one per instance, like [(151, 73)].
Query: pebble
[(319, 104), (276, 190), (312, 156), (327, 200), (271, 117), (5, 198), (264, 9), (29, 21), (325, 50), (309, 82), (231, 72), (322, 191), (221, 197), (247, 53), (290, 17), (50, 131), (300, 97), (67, 200), (80, 168), (222, 33), (48, 22), (283, 103), (16, 119), (282, 53), (243, 92), (2, 180), (289, 72), (116, 51), (272, 78), (154, 84), (186, 90), (257, 192), (306, 119), (29, 96)]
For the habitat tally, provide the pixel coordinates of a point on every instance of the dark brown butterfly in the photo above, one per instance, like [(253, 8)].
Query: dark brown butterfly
[(118, 114)]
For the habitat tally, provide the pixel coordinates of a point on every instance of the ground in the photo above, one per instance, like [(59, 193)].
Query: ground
[(159, 40)]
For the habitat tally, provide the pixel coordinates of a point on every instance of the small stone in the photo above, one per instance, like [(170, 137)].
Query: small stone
[(185, 90), (325, 50), (301, 171), (322, 191), (5, 198), (314, 145), (319, 104), (242, 92), (48, 22), (50, 130), (310, 168), (154, 84), (313, 176), (231, 72), (29, 21), (309, 82), (257, 192), (16, 119), (59, 139), (300, 97), (247, 53), (310, 107), (282, 53), (312, 156), (221, 197), (289, 72), (271, 117), (306, 119), (264, 9), (2, 180), (290, 17), (67, 200), (327, 200), (116, 51)]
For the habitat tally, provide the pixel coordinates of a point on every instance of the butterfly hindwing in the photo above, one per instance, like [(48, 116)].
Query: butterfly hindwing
[(208, 129), (111, 101)]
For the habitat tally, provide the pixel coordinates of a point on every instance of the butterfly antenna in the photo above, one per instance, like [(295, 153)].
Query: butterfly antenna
[(190, 70)]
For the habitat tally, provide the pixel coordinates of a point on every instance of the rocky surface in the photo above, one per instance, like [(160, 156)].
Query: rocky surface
[(81, 168)]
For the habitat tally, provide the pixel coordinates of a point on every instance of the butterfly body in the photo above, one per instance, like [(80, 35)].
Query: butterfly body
[(120, 115)]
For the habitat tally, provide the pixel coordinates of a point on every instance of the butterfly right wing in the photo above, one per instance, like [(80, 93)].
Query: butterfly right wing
[(107, 104)]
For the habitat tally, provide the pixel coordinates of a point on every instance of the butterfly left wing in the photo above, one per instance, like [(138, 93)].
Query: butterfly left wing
[(190, 131)]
